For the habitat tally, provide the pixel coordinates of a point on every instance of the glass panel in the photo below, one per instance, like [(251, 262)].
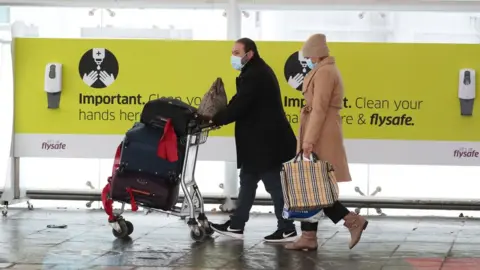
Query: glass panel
[(4, 15), (6, 103), (362, 26), (68, 22), (409, 181), (203, 24), (56, 22), (298, 25)]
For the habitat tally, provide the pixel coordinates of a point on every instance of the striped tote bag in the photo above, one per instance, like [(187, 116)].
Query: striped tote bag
[(308, 184)]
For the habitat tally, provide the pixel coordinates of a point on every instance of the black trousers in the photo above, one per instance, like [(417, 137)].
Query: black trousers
[(248, 188), (336, 212)]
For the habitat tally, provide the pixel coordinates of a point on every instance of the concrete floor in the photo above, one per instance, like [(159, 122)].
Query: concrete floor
[(159, 242)]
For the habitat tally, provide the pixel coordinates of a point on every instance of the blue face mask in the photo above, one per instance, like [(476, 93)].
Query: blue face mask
[(236, 62), (310, 64)]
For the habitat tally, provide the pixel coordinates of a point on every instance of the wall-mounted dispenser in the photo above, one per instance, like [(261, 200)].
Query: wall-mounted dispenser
[(53, 84), (466, 91)]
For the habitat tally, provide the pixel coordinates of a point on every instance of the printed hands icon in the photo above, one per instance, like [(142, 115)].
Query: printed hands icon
[(296, 81), (91, 78), (106, 78)]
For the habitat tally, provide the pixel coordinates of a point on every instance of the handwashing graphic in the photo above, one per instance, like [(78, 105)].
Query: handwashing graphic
[(98, 68)]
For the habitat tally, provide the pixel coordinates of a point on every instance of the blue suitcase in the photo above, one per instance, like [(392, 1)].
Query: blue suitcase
[(139, 153)]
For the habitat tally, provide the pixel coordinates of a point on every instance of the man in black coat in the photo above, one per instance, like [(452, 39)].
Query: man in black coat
[(263, 136)]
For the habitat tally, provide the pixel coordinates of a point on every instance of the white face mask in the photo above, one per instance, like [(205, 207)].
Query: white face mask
[(236, 62), (310, 64)]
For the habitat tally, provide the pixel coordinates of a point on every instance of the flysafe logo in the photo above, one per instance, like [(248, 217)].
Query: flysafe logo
[(466, 153), (53, 145)]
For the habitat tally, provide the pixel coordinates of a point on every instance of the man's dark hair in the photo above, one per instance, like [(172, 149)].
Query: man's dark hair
[(249, 46)]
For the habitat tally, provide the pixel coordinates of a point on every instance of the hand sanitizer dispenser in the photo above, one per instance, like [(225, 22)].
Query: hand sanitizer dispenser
[(466, 91), (53, 84)]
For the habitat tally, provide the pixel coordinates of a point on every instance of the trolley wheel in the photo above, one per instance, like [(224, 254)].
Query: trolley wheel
[(4, 213), (198, 236), (129, 227), (209, 231), (123, 230), (206, 227)]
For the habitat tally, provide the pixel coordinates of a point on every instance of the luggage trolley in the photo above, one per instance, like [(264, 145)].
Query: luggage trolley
[(193, 201)]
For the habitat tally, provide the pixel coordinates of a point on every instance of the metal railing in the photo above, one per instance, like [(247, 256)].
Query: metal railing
[(348, 201)]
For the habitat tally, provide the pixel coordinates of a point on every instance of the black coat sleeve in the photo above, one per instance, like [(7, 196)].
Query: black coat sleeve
[(248, 91)]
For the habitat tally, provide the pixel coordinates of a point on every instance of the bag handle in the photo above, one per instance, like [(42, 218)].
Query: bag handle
[(299, 156)]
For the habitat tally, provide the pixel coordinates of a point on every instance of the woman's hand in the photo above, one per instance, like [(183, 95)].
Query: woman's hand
[(307, 149)]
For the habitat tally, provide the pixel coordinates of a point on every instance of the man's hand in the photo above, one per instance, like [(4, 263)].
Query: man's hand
[(207, 119), (307, 149), (204, 118)]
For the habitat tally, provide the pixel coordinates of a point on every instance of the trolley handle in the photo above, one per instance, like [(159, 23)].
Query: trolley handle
[(208, 125), (201, 123), (195, 128)]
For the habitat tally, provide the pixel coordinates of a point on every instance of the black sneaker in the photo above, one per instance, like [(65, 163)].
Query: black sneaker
[(225, 229), (282, 236)]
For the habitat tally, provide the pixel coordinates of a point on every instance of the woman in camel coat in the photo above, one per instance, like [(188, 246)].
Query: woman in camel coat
[(321, 133)]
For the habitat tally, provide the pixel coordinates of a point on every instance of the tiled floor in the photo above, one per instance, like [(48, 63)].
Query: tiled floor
[(159, 242)]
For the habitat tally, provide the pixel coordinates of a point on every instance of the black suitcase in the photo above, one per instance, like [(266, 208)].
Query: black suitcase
[(147, 190), (139, 153), (158, 111)]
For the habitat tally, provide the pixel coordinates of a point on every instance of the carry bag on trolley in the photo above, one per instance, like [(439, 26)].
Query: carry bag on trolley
[(160, 110), (214, 100)]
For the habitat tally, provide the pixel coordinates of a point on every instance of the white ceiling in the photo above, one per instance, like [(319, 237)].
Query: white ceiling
[(393, 5)]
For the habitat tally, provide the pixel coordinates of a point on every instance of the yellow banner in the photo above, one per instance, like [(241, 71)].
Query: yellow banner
[(392, 91)]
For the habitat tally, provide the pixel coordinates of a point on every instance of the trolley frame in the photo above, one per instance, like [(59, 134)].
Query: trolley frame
[(193, 202)]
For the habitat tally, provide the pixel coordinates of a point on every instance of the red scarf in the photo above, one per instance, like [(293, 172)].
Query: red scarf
[(167, 146)]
